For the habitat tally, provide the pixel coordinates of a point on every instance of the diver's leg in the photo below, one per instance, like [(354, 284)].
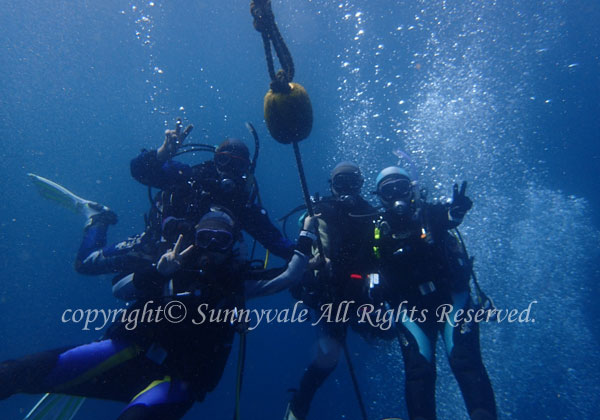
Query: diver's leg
[(417, 341), (329, 346), (100, 369), (163, 399), (88, 259), (94, 257), (27, 374), (464, 353)]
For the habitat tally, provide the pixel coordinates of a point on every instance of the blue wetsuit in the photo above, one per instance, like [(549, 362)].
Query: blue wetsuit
[(424, 266), (159, 368)]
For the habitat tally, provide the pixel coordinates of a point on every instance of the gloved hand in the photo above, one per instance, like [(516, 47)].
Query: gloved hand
[(173, 139), (461, 204), (171, 260), (317, 262)]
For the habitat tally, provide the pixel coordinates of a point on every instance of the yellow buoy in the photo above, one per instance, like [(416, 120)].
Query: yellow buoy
[(288, 114)]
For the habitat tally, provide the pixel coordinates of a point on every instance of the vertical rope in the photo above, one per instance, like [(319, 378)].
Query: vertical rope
[(361, 403), (307, 200), (283, 53), (268, 55), (240, 375), (264, 22)]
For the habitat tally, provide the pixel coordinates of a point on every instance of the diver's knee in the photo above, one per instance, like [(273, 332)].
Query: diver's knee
[(328, 353), (420, 370), (326, 361)]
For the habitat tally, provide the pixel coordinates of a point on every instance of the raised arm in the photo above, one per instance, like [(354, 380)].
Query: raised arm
[(155, 167)]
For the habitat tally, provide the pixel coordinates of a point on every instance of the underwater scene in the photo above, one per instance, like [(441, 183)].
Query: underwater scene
[(300, 209)]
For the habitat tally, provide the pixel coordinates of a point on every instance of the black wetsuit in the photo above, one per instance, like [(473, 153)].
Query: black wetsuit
[(345, 231), (424, 266)]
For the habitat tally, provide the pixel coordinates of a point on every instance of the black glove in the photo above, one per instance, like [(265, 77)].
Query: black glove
[(461, 204)]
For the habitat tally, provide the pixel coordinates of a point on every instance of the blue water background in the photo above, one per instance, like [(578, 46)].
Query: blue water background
[(502, 94)]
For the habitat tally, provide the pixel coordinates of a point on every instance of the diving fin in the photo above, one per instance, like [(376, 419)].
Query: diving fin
[(55, 407), (55, 192), (289, 415)]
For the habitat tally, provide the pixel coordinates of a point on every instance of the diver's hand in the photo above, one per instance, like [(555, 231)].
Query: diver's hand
[(173, 139), (318, 263), (311, 224), (461, 204), (171, 260)]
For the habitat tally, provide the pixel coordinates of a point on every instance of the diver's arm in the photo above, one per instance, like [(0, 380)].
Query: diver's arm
[(155, 167), (295, 268), (438, 217), (256, 222), (292, 274), (94, 257), (121, 257), (147, 169)]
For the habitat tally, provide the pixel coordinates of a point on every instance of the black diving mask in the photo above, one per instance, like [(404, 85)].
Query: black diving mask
[(347, 184), (395, 190), (228, 162), (214, 240)]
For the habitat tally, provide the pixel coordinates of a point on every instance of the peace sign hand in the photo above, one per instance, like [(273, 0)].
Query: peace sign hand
[(173, 140), (171, 260), (461, 204)]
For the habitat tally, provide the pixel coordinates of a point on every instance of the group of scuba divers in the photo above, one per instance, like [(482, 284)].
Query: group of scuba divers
[(405, 252)]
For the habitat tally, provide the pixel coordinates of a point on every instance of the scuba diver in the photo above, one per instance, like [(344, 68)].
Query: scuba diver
[(160, 368), (226, 180), (186, 194), (423, 264), (345, 219)]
